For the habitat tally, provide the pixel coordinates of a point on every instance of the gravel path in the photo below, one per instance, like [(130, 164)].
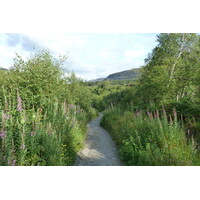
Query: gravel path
[(99, 147)]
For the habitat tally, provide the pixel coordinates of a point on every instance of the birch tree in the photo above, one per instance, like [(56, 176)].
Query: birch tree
[(179, 53)]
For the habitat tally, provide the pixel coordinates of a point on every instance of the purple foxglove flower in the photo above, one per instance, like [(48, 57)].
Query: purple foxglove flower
[(2, 134), (5, 116), (155, 115), (13, 163), (19, 104)]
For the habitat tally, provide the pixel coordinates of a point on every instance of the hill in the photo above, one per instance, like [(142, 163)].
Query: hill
[(98, 79), (124, 75), (3, 69)]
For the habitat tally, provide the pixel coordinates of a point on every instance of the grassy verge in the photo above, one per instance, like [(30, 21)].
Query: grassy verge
[(150, 138)]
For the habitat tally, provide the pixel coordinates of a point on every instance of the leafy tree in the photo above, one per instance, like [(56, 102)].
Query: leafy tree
[(171, 68)]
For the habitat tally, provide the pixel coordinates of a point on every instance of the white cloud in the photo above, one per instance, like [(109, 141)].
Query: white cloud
[(89, 55), (104, 54), (7, 54), (60, 43), (134, 53)]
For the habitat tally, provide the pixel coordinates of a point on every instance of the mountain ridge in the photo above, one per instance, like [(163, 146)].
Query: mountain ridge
[(122, 75)]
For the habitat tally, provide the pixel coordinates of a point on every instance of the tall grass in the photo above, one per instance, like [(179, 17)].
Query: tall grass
[(40, 137), (150, 138)]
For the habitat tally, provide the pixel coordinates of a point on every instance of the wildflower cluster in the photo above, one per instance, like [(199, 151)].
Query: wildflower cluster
[(2, 134), (19, 105), (150, 138)]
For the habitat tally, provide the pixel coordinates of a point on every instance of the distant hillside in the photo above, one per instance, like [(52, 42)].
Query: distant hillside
[(3, 69), (98, 79), (124, 75)]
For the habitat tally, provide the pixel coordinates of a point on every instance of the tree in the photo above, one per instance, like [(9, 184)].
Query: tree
[(38, 79), (175, 62)]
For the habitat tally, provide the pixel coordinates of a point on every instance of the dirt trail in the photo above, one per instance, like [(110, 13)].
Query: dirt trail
[(99, 148)]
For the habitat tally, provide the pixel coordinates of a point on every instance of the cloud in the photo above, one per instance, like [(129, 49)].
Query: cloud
[(89, 55), (27, 44), (104, 54), (130, 54), (8, 49), (58, 43)]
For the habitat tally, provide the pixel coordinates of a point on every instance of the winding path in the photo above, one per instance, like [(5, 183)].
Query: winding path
[(99, 147)]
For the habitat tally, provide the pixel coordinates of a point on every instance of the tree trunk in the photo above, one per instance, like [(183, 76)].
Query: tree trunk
[(175, 63)]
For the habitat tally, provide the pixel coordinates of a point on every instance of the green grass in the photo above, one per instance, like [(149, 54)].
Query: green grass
[(151, 139)]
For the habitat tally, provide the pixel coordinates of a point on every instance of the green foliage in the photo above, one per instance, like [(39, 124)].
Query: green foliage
[(43, 115), (36, 138), (110, 93), (171, 69), (38, 79), (150, 139)]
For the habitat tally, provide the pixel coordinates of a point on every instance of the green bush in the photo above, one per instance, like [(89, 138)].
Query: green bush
[(43, 115)]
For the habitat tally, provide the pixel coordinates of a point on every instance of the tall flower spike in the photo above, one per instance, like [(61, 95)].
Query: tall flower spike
[(19, 103), (2, 134), (175, 113), (164, 112), (5, 116)]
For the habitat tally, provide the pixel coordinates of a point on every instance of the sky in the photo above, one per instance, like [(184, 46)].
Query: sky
[(90, 55)]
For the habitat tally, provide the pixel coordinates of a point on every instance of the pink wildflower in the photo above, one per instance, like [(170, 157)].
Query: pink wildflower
[(19, 105), (2, 134), (5, 116), (14, 161)]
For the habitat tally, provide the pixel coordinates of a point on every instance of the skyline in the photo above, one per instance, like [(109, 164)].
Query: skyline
[(90, 55)]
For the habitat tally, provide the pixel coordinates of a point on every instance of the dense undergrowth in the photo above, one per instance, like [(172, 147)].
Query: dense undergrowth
[(150, 138), (43, 115)]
